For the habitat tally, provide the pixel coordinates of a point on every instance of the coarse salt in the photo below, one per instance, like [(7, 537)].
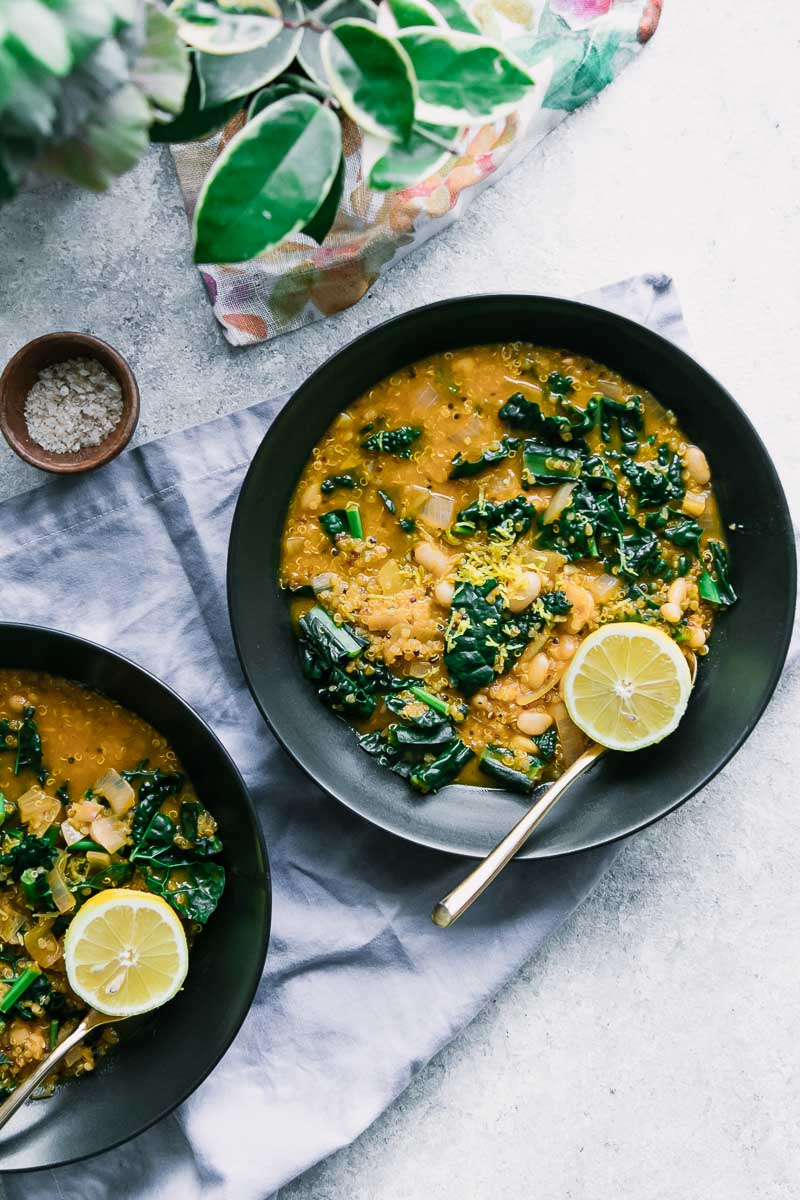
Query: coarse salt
[(72, 405)]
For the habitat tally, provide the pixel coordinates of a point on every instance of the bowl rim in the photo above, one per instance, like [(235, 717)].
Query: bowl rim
[(633, 328), (266, 924), (111, 446)]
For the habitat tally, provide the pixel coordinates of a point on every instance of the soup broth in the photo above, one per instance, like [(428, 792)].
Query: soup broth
[(467, 522), (91, 797)]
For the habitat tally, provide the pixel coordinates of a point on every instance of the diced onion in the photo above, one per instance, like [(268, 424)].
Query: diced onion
[(390, 577), (437, 511), (426, 397), (321, 583), (109, 832), (614, 391), (559, 501), (42, 944), (37, 810), (10, 924), (418, 670), (62, 896), (603, 587), (69, 833), (414, 497), (573, 742), (117, 791), (98, 860), (85, 811)]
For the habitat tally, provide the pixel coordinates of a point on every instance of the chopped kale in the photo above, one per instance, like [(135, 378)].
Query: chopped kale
[(463, 468), (349, 692), (524, 414), (656, 482), (560, 385), (430, 777), (506, 520), (549, 464), (393, 441), (332, 482), (472, 637), (483, 641), (324, 644), (388, 502), (192, 888), (494, 761), (155, 787), (685, 534), (717, 587), (547, 743), (335, 523), (407, 524)]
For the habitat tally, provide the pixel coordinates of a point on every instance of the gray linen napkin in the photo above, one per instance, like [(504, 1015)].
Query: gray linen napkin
[(360, 989)]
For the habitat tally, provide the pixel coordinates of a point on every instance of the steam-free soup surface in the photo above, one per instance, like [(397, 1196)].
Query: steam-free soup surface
[(91, 797), (530, 479)]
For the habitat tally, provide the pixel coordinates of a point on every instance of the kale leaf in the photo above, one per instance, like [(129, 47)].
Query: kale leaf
[(508, 519), (332, 482), (463, 468), (393, 441), (717, 588), (472, 637), (520, 413), (192, 888), (21, 851), (496, 761), (549, 464), (432, 776), (656, 482), (335, 523)]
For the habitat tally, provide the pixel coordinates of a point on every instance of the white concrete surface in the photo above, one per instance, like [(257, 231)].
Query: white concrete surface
[(652, 1050)]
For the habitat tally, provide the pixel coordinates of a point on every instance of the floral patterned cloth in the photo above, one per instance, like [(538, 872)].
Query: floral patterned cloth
[(574, 47)]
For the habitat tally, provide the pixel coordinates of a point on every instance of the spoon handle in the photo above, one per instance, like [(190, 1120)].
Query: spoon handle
[(28, 1085), (458, 901)]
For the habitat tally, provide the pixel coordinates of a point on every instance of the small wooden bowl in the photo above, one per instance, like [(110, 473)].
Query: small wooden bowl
[(22, 372)]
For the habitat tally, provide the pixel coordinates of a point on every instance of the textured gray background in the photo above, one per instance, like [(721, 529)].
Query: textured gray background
[(652, 1050)]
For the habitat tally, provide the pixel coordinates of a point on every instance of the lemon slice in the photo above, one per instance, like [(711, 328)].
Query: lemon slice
[(125, 952), (628, 686)]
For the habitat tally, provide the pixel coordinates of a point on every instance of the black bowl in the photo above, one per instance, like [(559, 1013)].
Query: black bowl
[(623, 793), (163, 1057)]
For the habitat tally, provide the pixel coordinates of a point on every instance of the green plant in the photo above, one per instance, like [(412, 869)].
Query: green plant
[(410, 73), (84, 84), (81, 83)]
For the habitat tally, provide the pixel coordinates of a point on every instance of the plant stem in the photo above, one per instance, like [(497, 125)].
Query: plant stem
[(308, 23), (17, 989), (434, 137)]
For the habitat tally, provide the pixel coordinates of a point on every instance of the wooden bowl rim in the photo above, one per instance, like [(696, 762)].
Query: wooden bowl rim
[(90, 457)]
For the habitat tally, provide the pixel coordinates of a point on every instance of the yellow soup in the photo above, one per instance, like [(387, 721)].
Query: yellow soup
[(92, 797), (463, 525)]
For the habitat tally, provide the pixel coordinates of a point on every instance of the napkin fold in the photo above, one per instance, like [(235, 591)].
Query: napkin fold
[(360, 989)]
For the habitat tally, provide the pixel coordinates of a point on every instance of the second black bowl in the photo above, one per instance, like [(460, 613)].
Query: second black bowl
[(163, 1057), (624, 792)]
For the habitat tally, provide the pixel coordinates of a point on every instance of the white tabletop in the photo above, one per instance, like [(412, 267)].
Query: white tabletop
[(651, 1051)]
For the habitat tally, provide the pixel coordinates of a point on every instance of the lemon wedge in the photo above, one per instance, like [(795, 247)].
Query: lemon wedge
[(628, 686), (125, 952)]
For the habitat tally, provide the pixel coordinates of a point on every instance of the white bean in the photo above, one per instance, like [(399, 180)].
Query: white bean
[(678, 593), (697, 465), (524, 591), (311, 499), (537, 669), (564, 647), (443, 593), (525, 745), (534, 723), (671, 613), (582, 602), (697, 637), (431, 559)]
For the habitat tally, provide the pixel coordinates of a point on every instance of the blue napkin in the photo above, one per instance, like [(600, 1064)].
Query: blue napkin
[(360, 989)]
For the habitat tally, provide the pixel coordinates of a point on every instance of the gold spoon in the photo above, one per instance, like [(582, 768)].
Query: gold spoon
[(92, 1020), (465, 893)]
